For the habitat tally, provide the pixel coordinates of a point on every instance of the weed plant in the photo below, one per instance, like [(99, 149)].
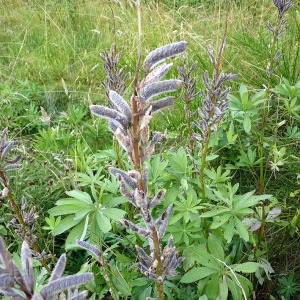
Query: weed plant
[(209, 213)]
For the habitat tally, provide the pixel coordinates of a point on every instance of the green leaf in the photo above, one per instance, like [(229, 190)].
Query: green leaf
[(178, 162), (204, 258), (244, 94), (113, 213), (76, 232), (247, 267), (71, 201), (176, 218), (212, 287), (119, 282), (83, 196), (223, 289), (171, 195), (214, 212), (229, 230), (247, 123), (241, 229), (220, 221), (64, 225), (196, 274), (215, 247), (64, 210), (82, 213), (103, 222)]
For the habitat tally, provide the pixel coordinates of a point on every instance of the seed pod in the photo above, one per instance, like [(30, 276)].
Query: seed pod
[(109, 114), (158, 73), (121, 104), (161, 104), (89, 247), (157, 88), (161, 54)]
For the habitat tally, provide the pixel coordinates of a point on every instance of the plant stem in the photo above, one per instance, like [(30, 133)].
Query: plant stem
[(159, 268), (263, 165)]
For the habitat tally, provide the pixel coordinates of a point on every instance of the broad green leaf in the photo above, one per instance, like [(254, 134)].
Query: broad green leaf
[(247, 267), (212, 287), (196, 274), (247, 123), (248, 200), (71, 201), (76, 232), (178, 161), (171, 195), (83, 196), (215, 247), (235, 290), (113, 213), (119, 282), (64, 225), (176, 218), (229, 230), (204, 258), (65, 210), (246, 284), (214, 212), (244, 94), (223, 289), (103, 222), (220, 221), (82, 213), (241, 229), (140, 281), (211, 157)]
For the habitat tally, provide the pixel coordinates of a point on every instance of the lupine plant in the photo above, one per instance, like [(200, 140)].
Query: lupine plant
[(130, 126), (277, 31)]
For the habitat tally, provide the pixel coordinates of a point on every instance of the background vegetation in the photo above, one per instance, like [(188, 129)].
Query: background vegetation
[(51, 72)]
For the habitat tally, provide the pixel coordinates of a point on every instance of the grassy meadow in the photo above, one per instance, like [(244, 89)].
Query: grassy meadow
[(51, 72)]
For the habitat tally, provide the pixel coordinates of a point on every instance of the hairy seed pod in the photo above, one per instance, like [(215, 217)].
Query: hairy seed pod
[(127, 179), (121, 104), (158, 88), (65, 283), (109, 114), (12, 167), (158, 73), (160, 104), (161, 54), (89, 247)]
